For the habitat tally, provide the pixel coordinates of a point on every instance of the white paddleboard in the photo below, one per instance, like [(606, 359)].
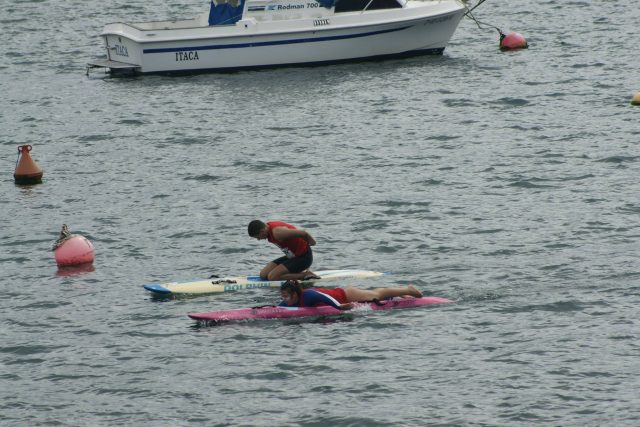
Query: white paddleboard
[(228, 284)]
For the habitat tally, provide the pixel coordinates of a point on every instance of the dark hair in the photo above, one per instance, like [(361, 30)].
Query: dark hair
[(293, 287), (255, 227)]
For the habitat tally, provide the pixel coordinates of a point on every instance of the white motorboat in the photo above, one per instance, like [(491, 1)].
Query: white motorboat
[(237, 34)]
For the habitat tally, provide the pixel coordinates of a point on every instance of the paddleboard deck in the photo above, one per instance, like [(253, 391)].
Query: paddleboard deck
[(277, 312), (228, 284)]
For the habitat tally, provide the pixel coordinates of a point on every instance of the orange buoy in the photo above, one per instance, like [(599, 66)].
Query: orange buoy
[(512, 41), (72, 250), (27, 170), (636, 99)]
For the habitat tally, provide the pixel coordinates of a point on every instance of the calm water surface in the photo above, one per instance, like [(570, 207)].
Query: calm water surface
[(507, 182)]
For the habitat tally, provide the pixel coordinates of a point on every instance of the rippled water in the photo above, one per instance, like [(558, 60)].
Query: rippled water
[(505, 181)]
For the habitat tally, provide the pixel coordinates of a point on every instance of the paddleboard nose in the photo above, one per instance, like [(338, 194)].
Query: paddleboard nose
[(157, 288)]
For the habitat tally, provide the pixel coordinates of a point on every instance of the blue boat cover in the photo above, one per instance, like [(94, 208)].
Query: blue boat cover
[(326, 3), (225, 13)]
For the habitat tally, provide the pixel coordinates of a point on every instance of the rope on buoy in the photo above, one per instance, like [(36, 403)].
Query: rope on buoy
[(64, 236), (507, 41), (479, 3), (469, 15)]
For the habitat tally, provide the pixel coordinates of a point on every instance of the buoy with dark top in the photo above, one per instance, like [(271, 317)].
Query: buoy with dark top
[(636, 99), (27, 170), (72, 250), (511, 41)]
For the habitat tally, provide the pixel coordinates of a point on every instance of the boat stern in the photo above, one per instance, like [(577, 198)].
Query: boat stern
[(124, 55)]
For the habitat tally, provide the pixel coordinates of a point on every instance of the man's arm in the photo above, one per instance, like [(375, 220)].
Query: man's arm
[(284, 233)]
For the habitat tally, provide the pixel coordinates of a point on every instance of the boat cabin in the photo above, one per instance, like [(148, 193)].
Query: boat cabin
[(227, 12)]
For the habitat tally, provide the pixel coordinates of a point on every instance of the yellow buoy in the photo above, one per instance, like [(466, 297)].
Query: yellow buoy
[(636, 99)]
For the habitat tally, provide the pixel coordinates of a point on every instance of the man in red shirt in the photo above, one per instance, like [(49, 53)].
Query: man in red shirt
[(296, 245)]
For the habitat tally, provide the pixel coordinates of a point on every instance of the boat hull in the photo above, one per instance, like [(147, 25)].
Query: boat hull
[(249, 44)]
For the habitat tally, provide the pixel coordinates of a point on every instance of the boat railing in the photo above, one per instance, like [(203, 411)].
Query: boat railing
[(167, 25), (231, 20), (367, 6)]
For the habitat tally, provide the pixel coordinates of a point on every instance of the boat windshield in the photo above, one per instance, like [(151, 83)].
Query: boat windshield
[(358, 5)]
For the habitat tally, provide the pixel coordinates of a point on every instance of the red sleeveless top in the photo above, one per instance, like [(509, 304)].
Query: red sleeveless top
[(292, 247)]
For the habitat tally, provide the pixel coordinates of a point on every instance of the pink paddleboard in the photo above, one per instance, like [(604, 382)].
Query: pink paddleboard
[(275, 312)]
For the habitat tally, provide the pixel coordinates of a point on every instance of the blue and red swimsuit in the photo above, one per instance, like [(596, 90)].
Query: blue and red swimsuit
[(320, 296)]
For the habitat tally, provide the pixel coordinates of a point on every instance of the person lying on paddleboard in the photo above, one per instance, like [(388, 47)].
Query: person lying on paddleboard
[(293, 295), (296, 245)]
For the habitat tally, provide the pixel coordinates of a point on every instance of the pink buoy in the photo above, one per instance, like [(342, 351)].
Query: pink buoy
[(512, 41), (71, 250)]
